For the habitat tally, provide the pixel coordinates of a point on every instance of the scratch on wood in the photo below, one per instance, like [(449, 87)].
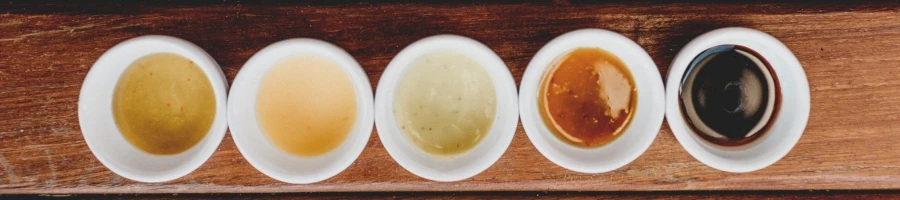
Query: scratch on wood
[(12, 22), (397, 172), (55, 195), (50, 164), (23, 36), (63, 30), (8, 170), (84, 176), (856, 168), (63, 131), (637, 30), (115, 179)]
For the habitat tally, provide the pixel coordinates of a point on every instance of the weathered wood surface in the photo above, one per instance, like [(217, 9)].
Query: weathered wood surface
[(851, 53), (693, 195)]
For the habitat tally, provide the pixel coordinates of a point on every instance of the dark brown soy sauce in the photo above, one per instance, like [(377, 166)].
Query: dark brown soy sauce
[(719, 95)]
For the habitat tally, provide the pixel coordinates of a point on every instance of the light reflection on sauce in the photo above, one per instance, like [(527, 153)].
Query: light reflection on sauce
[(588, 97)]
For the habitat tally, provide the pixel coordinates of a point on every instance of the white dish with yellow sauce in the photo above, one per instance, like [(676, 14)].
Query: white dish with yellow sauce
[(300, 110), (446, 108), (152, 108)]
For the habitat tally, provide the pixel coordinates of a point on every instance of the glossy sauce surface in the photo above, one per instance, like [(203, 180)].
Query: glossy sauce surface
[(163, 104), (588, 97), (729, 95), (306, 105), (445, 103)]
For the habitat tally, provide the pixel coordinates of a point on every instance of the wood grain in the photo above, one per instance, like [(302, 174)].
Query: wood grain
[(695, 195), (851, 54)]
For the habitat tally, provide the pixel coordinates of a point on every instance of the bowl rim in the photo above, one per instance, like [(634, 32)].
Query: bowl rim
[(639, 135), (792, 115), (98, 126), (475, 160), (258, 150)]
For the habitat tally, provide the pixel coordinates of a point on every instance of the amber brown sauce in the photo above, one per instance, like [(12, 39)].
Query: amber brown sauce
[(588, 97)]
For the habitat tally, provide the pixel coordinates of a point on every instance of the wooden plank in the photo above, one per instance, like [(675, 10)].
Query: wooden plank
[(849, 51), (735, 195)]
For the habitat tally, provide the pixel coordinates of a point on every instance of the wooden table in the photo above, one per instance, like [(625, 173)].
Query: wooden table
[(851, 54)]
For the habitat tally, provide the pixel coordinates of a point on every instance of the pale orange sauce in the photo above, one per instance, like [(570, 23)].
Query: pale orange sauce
[(306, 106)]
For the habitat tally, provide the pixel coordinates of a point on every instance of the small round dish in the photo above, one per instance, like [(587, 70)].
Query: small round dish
[(99, 127), (262, 154), (475, 160), (790, 120), (637, 137)]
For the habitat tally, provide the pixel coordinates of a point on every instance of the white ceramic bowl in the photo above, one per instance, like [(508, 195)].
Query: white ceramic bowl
[(477, 159), (254, 145), (647, 117), (789, 122), (99, 128)]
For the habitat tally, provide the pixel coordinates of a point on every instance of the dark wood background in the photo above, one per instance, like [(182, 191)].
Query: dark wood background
[(850, 51), (732, 195)]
